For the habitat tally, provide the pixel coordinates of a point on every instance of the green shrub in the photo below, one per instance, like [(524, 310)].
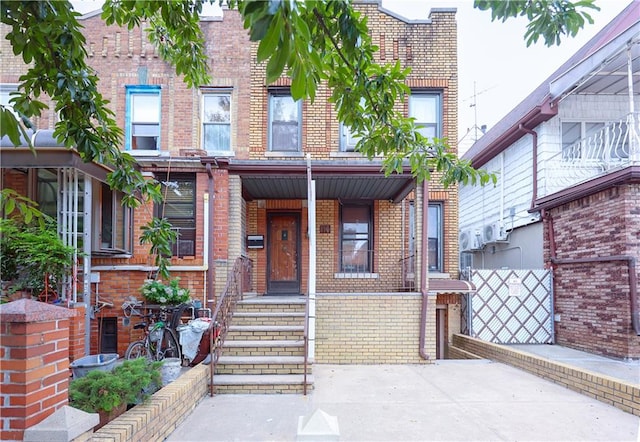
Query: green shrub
[(130, 383)]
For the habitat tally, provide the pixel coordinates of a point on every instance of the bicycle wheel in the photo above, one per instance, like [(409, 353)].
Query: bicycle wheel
[(137, 349), (169, 347)]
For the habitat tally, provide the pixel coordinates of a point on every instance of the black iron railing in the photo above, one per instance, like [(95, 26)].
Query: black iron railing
[(238, 280)]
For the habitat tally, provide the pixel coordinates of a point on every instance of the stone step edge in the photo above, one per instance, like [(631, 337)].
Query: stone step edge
[(266, 328), (262, 343), (260, 360), (261, 379), (249, 314), (263, 300)]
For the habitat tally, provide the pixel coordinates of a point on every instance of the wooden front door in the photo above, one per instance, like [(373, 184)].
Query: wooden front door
[(283, 254)]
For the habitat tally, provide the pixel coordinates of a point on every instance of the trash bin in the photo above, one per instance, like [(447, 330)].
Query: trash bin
[(103, 362)]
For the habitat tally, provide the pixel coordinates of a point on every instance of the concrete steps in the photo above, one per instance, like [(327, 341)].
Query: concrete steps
[(264, 349)]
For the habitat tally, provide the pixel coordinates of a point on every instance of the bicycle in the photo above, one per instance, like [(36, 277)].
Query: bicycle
[(159, 340)]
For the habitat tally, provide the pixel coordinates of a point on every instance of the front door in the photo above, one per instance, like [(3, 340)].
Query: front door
[(283, 254)]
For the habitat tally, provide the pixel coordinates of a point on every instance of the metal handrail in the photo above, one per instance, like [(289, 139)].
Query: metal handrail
[(238, 279), (306, 345)]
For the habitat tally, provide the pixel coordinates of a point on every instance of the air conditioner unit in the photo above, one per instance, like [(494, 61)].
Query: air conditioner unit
[(466, 241), (470, 241), (494, 233)]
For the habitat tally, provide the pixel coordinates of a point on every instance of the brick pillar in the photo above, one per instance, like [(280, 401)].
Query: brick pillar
[(77, 333), (34, 350)]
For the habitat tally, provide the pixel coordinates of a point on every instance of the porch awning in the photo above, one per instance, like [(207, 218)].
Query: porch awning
[(450, 286), (335, 179), (48, 154)]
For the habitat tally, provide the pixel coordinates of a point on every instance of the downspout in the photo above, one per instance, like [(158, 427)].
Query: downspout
[(424, 259), (631, 265), (210, 297), (534, 153)]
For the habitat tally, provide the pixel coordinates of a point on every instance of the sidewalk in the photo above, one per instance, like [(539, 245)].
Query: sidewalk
[(450, 400)]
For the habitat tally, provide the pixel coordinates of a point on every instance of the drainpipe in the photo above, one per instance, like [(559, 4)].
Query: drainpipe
[(631, 266), (534, 152), (424, 259), (210, 253)]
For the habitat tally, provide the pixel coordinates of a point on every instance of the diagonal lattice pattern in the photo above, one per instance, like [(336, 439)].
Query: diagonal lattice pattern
[(509, 307)]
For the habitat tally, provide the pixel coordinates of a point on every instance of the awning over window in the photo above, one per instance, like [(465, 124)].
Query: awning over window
[(450, 286)]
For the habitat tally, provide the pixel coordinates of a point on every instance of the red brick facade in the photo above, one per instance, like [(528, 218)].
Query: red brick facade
[(123, 58), (592, 299)]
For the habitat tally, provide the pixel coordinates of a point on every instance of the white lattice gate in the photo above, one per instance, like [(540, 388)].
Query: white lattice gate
[(509, 307)]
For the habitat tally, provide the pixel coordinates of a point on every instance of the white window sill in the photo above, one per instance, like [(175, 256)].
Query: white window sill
[(148, 153), (283, 154), (356, 276)]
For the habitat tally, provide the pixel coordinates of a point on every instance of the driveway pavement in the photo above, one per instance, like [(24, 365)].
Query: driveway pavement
[(461, 400)]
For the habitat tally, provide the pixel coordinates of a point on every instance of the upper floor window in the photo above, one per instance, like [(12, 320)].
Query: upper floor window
[(579, 139), (285, 121), (435, 233), (348, 139), (179, 208), (142, 118), (216, 121), (425, 108), (5, 95), (356, 231)]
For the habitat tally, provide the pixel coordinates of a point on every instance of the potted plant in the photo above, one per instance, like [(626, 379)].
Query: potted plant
[(157, 292), (34, 258), (109, 392)]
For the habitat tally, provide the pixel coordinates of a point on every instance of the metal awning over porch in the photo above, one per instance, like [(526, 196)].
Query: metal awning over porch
[(335, 179)]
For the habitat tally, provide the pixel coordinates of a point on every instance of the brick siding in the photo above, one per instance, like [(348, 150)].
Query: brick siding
[(592, 299)]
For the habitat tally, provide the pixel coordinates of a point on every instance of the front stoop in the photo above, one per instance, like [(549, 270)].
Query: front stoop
[(264, 349)]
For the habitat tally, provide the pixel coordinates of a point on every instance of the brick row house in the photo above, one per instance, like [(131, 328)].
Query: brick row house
[(234, 158), (568, 192)]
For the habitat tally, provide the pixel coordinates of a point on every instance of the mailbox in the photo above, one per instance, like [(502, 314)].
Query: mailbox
[(255, 241)]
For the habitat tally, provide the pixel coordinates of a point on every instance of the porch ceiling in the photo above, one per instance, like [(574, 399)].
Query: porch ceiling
[(334, 180)]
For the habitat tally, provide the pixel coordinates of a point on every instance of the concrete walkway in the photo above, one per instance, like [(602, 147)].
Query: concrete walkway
[(451, 400)]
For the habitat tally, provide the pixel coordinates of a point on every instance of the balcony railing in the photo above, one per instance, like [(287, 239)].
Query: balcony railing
[(615, 146)]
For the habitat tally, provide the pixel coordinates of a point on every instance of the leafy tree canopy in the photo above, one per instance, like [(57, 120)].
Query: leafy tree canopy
[(310, 41)]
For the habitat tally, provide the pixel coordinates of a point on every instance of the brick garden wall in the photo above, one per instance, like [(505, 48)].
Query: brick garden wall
[(592, 299)]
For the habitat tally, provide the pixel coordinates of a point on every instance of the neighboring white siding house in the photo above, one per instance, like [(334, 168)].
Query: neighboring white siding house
[(580, 124)]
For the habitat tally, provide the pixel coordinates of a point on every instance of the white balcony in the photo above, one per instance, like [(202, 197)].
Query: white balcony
[(614, 147)]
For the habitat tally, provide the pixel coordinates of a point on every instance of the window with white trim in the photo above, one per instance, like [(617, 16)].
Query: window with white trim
[(425, 108), (5, 95), (113, 222), (356, 238), (216, 122), (435, 237), (179, 208), (578, 139), (142, 118), (285, 121)]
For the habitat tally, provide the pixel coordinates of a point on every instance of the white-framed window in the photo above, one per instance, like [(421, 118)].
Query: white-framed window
[(5, 95), (179, 208), (426, 109), (142, 118), (436, 234), (356, 238), (112, 222), (216, 121), (348, 139), (285, 121), (580, 139)]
